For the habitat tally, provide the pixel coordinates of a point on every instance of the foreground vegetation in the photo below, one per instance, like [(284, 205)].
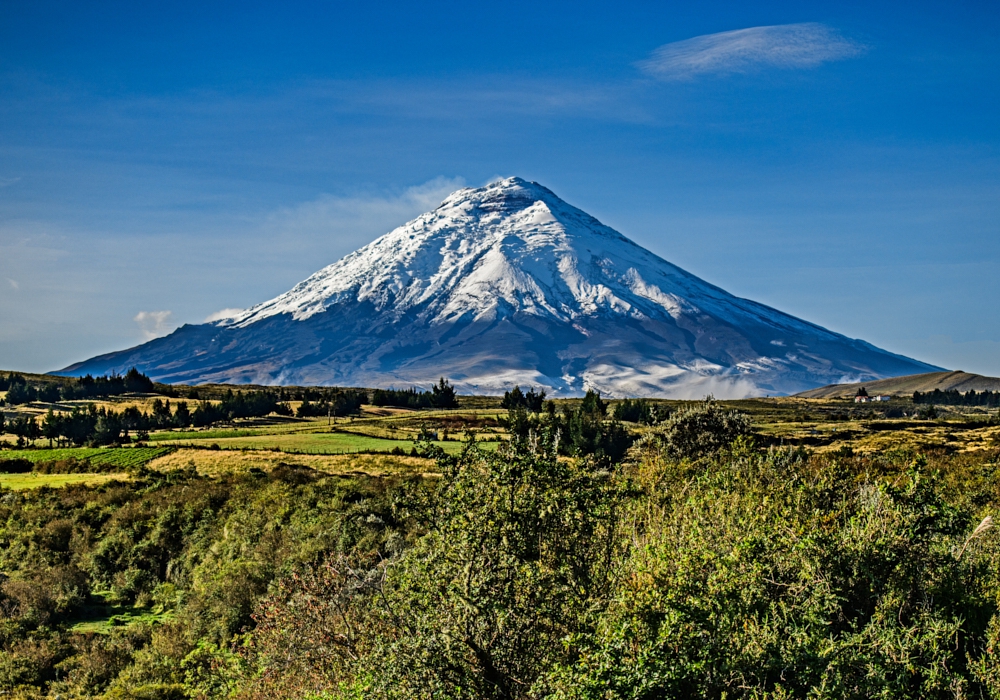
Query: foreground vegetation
[(757, 549)]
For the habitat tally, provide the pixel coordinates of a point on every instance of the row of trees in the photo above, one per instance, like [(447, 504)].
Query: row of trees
[(21, 391), (530, 401), (640, 411), (954, 397), (627, 410), (579, 431), (338, 402), (104, 426), (587, 429), (441, 395)]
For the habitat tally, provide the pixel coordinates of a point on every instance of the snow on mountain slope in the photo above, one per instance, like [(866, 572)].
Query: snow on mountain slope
[(509, 284)]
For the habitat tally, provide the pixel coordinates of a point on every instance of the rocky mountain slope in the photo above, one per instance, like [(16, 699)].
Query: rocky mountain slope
[(509, 284)]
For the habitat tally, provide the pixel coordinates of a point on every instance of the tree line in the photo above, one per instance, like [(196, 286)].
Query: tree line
[(95, 426), (333, 402), (953, 397), (588, 430), (441, 395), (20, 391)]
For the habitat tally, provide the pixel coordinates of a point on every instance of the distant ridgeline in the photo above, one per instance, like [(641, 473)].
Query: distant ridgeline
[(990, 399), (20, 390)]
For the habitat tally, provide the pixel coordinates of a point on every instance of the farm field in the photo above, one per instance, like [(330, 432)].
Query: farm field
[(317, 443), (121, 458), (219, 462)]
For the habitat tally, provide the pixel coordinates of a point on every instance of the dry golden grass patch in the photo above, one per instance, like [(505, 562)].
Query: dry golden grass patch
[(986, 438), (32, 480), (217, 462), (895, 440)]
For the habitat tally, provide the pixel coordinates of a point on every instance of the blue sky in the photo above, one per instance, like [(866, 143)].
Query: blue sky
[(159, 164)]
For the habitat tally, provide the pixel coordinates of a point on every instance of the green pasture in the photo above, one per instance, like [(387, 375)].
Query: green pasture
[(123, 458), (318, 443)]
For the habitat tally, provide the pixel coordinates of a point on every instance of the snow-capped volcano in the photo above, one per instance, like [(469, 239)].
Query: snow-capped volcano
[(508, 284)]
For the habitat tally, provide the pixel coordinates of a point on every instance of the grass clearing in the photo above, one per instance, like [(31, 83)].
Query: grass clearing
[(219, 462), (318, 443), (19, 482)]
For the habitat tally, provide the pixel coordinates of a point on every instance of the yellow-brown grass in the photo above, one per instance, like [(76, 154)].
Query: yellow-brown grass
[(216, 462)]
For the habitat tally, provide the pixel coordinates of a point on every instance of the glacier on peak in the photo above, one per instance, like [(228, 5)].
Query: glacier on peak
[(508, 284), (511, 241)]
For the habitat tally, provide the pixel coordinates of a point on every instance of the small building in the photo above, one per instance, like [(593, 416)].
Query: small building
[(863, 397)]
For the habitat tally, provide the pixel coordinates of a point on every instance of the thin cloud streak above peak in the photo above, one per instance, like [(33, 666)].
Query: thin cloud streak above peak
[(222, 315), (153, 324), (802, 45)]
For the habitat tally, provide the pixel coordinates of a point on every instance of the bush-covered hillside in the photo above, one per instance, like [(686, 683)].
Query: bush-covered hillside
[(694, 563)]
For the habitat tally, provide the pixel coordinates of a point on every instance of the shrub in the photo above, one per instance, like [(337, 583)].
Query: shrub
[(519, 553), (765, 581), (703, 430), (15, 466)]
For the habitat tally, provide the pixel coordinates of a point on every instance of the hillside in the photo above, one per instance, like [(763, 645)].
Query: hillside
[(508, 284), (903, 386)]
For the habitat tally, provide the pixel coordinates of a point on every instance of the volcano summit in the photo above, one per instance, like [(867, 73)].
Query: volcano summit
[(508, 284)]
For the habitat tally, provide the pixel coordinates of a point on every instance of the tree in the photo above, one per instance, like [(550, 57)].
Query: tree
[(520, 553), (513, 398), (20, 392), (704, 429), (635, 411), (25, 428), (51, 426), (531, 401), (443, 395), (206, 413), (107, 429), (137, 382), (182, 416), (49, 393)]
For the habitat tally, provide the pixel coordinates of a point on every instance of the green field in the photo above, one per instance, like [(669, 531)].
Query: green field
[(123, 458), (20, 482), (404, 426), (205, 434), (318, 443)]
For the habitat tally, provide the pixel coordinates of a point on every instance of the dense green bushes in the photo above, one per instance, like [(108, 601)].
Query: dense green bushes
[(743, 574), (194, 554), (698, 565), (770, 579), (577, 431)]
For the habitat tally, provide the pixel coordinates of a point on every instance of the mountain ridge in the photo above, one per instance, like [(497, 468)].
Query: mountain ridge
[(906, 385), (508, 284)]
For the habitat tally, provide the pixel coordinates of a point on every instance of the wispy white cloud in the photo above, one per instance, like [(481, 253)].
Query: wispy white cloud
[(8, 181), (13, 284), (153, 324), (743, 50), (348, 222), (222, 314)]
